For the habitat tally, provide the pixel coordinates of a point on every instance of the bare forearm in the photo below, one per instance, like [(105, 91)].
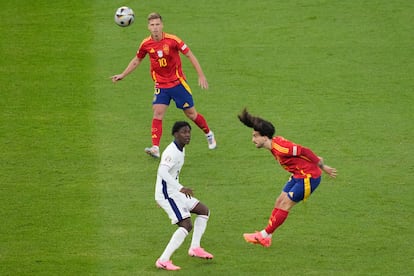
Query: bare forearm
[(202, 80), (133, 64), (332, 172), (196, 65)]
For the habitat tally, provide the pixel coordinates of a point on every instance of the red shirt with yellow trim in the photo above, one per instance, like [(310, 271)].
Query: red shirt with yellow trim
[(165, 61), (294, 158)]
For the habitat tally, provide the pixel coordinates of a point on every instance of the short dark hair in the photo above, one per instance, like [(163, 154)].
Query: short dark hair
[(178, 125), (265, 128)]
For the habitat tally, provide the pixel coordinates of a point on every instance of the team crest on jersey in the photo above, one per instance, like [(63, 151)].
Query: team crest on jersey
[(160, 53), (166, 49)]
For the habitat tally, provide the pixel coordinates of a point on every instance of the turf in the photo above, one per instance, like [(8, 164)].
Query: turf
[(76, 193)]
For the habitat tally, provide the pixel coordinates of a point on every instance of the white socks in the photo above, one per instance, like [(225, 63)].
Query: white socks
[(265, 234), (200, 224), (175, 242)]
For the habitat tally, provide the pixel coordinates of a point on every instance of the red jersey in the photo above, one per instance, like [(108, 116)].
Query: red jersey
[(296, 159), (165, 68)]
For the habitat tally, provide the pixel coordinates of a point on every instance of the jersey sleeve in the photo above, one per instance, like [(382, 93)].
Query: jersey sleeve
[(288, 148), (285, 147), (167, 162), (163, 172), (182, 47), (309, 154), (142, 52)]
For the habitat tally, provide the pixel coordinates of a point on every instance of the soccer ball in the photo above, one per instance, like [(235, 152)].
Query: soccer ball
[(124, 16)]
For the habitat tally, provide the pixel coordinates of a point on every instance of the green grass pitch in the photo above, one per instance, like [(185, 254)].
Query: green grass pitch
[(76, 188)]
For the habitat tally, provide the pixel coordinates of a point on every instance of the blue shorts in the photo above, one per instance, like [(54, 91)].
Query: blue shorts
[(180, 94), (301, 188)]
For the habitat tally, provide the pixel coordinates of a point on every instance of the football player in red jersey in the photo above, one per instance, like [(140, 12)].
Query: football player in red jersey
[(164, 51), (305, 168)]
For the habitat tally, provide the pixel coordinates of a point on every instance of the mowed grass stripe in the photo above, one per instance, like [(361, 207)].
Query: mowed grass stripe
[(77, 196), (48, 158)]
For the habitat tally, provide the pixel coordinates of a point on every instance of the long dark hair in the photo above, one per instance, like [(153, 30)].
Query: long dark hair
[(265, 128)]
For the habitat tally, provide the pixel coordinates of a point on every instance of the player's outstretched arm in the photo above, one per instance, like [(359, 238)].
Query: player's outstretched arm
[(332, 172), (133, 64)]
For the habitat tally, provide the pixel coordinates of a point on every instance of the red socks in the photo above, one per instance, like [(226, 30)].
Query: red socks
[(156, 132), (156, 128), (276, 219), (202, 123)]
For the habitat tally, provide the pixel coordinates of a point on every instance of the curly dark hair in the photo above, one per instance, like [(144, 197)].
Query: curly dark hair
[(265, 128), (178, 125)]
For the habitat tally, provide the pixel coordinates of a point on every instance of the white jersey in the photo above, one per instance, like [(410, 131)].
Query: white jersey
[(172, 160)]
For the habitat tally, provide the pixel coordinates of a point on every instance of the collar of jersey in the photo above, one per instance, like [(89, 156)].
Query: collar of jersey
[(178, 147)]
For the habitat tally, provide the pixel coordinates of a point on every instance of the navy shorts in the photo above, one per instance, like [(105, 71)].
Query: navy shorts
[(180, 94), (301, 188)]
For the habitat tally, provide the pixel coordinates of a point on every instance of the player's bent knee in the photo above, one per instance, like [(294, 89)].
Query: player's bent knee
[(186, 223)]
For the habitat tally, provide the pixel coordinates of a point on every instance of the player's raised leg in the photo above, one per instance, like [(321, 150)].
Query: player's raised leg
[(201, 122)]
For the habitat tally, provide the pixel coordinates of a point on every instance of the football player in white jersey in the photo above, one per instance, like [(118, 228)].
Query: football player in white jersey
[(178, 201)]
